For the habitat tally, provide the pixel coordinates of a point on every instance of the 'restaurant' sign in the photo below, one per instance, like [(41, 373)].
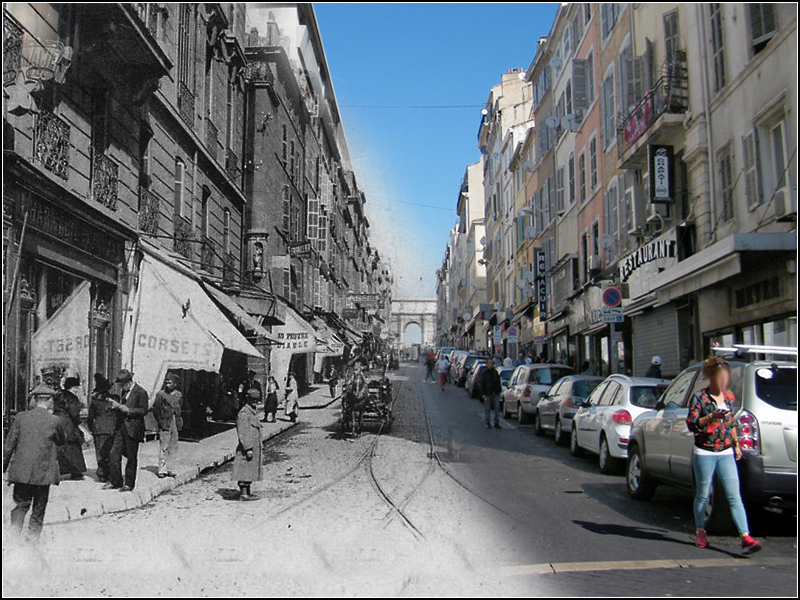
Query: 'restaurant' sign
[(661, 174), (655, 250)]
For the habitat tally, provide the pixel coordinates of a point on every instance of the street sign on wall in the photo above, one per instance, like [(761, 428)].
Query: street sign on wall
[(541, 282), (497, 335)]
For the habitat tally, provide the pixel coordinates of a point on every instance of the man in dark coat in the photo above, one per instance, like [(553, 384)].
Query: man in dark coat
[(491, 387), (167, 408), (30, 458), (67, 406), (247, 462), (103, 420), (134, 406), (654, 370)]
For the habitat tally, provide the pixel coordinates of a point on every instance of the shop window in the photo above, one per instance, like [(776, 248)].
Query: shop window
[(763, 291)]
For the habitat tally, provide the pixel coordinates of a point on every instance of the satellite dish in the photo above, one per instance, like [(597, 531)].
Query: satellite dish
[(555, 62), (605, 241), (467, 316), (551, 121), (524, 211), (530, 276), (484, 241), (521, 285), (528, 292), (570, 122), (484, 112), (530, 232), (522, 75)]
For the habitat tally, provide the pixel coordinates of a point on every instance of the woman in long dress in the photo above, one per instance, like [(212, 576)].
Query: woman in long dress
[(291, 407), (271, 402)]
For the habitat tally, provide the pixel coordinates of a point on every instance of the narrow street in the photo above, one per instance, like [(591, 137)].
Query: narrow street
[(481, 512)]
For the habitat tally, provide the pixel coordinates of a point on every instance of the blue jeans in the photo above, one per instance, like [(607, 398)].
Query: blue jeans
[(492, 403), (725, 466)]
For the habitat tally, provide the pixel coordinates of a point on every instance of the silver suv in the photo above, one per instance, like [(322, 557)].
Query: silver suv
[(660, 447)]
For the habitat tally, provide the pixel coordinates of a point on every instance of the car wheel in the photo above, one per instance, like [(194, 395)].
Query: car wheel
[(640, 485), (608, 464), (522, 418), (537, 424), (718, 517), (506, 414), (574, 448), (560, 438)]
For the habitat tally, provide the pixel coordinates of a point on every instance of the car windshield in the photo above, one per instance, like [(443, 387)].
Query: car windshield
[(506, 374), (470, 360), (646, 396), (549, 375), (582, 389), (777, 387)]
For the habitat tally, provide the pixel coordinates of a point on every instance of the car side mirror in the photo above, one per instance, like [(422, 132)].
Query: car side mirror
[(542, 395), (660, 405)]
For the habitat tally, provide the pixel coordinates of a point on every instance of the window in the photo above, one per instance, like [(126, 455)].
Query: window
[(178, 187), (607, 399), (577, 30), (587, 12), (567, 44), (675, 396), (568, 93), (609, 111), (726, 185), (145, 136), (287, 209), (186, 46), (101, 119), (778, 148), (593, 162), (672, 35), (752, 179), (763, 24), (229, 116), (609, 11), (291, 158), (585, 255), (595, 238), (631, 79), (284, 145), (226, 231), (582, 177), (589, 79), (571, 178), (205, 213), (560, 191), (717, 46)]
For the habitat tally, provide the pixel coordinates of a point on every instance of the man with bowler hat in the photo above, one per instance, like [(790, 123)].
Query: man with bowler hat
[(132, 408), (102, 420)]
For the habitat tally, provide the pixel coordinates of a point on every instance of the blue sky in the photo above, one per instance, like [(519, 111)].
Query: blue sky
[(409, 55)]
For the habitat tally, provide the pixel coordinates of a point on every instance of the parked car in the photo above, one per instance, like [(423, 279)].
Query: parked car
[(765, 409), (474, 375), (505, 376), (466, 365), (603, 424), (557, 406), (445, 351), (455, 358), (522, 395)]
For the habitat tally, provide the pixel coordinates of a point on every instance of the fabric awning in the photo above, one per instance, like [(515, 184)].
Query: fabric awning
[(240, 314), (295, 336), (174, 324)]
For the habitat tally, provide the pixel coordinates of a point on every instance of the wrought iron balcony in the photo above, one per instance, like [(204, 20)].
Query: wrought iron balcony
[(105, 180), (12, 49), (208, 254), (232, 165), (183, 237), (149, 211), (51, 143), (186, 104), (212, 138)]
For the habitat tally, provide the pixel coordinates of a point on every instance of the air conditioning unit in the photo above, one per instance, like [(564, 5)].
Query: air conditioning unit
[(656, 213), (594, 263), (637, 217), (786, 203)]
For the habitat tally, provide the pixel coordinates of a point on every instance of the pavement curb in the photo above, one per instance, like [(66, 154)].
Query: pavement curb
[(319, 406)]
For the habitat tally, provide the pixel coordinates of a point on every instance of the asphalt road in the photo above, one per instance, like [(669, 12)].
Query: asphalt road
[(468, 511)]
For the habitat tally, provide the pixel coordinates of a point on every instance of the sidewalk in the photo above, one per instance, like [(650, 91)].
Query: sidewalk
[(71, 500)]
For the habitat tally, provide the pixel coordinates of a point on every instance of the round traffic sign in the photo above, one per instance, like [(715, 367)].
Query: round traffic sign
[(612, 297), (512, 331)]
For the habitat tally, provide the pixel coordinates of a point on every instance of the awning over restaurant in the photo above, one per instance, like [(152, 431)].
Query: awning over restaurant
[(241, 316), (295, 336), (328, 343), (174, 324)]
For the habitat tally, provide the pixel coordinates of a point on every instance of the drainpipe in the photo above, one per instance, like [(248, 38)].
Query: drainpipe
[(709, 129)]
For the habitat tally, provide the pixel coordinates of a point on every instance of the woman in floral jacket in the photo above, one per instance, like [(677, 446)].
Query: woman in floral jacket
[(716, 450)]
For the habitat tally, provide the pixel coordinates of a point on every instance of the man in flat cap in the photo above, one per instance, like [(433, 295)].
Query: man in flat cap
[(133, 406), (29, 457), (247, 463), (167, 410)]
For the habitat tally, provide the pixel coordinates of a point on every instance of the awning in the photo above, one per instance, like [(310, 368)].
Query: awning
[(239, 314), (296, 336), (174, 324), (717, 263), (328, 343)]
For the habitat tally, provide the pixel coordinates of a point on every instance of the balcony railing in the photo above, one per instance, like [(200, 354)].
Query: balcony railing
[(229, 269), (668, 96), (105, 180), (212, 138), (149, 211), (183, 237), (186, 104), (12, 49), (208, 254), (51, 143), (232, 164)]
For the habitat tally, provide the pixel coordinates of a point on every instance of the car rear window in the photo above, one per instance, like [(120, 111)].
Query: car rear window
[(646, 396), (778, 388), (470, 360), (549, 375), (506, 375), (582, 389)]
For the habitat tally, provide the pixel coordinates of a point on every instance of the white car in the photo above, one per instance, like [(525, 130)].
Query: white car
[(603, 424)]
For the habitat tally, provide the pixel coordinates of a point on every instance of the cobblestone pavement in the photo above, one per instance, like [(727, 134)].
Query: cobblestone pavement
[(396, 515)]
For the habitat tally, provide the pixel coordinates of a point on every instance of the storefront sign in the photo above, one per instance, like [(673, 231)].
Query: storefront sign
[(655, 250), (299, 249), (369, 301), (541, 281), (661, 174)]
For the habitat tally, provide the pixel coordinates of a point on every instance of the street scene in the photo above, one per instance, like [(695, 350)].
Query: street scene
[(358, 300)]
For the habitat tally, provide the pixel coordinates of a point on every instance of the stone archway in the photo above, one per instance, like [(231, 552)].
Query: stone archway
[(419, 311)]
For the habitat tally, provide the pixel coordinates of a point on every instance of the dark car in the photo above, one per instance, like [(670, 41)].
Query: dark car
[(466, 365), (558, 406)]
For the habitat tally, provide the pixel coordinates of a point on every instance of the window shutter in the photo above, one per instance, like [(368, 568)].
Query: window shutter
[(604, 19), (580, 98), (763, 22), (671, 35), (752, 185), (635, 77), (648, 66), (560, 190), (577, 30)]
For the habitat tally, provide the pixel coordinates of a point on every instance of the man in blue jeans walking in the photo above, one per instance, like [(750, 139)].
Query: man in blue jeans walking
[(491, 388)]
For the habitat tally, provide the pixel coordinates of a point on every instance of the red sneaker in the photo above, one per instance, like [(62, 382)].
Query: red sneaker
[(749, 545), (701, 540)]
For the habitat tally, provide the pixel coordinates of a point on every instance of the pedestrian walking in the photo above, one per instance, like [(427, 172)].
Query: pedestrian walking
[(520, 359), (132, 408), (333, 380), (291, 407), (271, 401), (30, 458), (429, 365), (67, 407), (247, 462), (716, 450), (491, 387), (443, 367), (102, 420), (167, 409), (654, 370)]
